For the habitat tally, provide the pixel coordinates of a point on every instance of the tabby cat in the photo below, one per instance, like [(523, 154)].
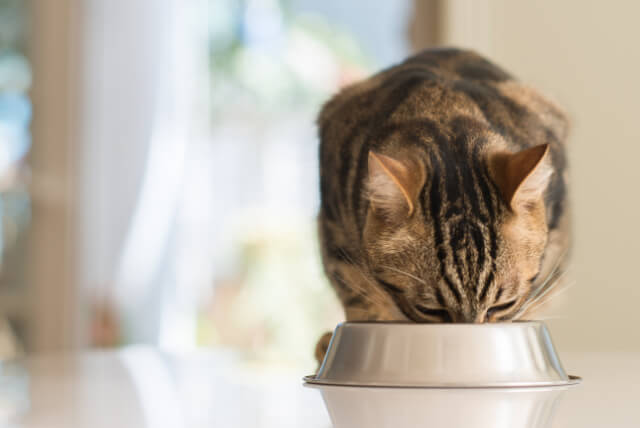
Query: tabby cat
[(443, 186)]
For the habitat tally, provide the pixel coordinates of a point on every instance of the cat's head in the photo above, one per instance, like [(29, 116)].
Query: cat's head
[(457, 239)]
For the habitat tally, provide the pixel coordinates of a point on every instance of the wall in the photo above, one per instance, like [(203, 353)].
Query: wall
[(585, 55)]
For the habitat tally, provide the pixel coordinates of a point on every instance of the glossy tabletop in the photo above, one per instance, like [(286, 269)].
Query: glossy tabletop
[(142, 387)]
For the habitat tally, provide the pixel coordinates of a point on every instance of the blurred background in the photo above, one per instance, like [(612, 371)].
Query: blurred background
[(158, 171)]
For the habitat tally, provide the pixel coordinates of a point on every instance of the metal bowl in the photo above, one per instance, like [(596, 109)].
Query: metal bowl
[(441, 355)]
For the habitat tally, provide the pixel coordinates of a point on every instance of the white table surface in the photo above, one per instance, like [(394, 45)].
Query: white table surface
[(142, 387)]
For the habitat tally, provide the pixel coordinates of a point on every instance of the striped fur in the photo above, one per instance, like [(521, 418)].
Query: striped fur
[(460, 251)]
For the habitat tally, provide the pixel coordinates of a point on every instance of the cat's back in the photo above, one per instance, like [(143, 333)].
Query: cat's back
[(443, 85)]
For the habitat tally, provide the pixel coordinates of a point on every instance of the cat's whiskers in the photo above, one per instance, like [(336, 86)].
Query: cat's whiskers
[(421, 281), (550, 284), (539, 300), (554, 269), (555, 290), (533, 301), (551, 278)]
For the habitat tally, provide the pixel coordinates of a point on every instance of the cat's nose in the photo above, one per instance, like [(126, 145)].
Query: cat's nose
[(471, 316), (481, 316)]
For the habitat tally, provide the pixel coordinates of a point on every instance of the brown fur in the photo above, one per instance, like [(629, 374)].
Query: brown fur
[(443, 184)]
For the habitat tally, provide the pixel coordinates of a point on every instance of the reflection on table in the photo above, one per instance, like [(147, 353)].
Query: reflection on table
[(142, 387)]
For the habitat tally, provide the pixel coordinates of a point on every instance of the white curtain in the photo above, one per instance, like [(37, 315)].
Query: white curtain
[(145, 142)]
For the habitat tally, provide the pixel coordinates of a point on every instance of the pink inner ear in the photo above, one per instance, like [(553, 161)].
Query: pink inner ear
[(390, 185), (523, 176)]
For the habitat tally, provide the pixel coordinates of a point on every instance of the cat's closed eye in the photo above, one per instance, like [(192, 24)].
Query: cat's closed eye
[(390, 287), (440, 314), (500, 308)]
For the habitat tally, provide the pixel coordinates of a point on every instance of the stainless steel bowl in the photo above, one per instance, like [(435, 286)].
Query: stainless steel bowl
[(441, 355)]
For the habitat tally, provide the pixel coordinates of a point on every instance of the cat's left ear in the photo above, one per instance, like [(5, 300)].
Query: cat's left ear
[(523, 176), (392, 185)]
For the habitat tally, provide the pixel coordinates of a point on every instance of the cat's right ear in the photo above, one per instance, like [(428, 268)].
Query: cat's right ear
[(522, 176), (392, 186)]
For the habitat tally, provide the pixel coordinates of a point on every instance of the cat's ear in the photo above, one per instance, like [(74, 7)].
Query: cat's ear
[(392, 185), (523, 176)]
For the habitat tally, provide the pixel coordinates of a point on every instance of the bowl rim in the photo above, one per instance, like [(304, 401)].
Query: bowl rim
[(572, 381)]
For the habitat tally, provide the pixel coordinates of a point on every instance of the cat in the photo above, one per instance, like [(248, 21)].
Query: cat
[(443, 187)]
